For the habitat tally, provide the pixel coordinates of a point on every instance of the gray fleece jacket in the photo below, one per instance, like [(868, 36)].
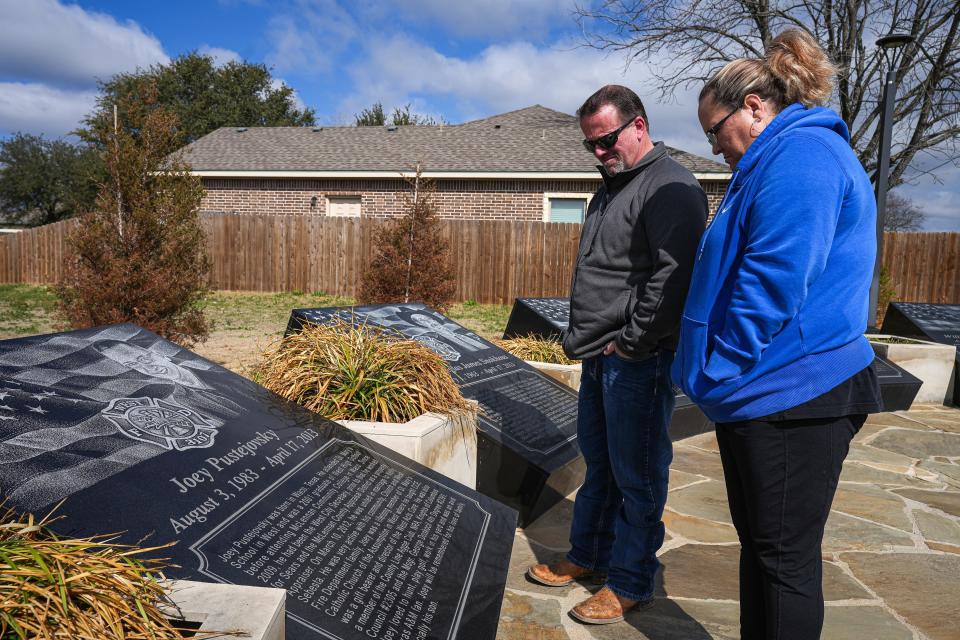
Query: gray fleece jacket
[(636, 255)]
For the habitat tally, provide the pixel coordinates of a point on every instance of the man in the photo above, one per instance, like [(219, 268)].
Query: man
[(636, 255)]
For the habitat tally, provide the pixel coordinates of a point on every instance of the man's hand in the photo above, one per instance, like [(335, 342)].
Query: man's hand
[(612, 347)]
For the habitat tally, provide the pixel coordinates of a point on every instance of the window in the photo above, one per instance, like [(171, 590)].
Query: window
[(565, 207), (344, 206)]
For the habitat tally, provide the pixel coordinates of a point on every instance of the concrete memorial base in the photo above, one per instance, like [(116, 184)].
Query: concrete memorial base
[(446, 444), (935, 322), (930, 362), (568, 374), (140, 437), (253, 613)]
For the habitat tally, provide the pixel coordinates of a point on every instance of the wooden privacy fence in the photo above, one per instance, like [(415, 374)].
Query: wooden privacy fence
[(923, 267), (34, 255), (495, 261)]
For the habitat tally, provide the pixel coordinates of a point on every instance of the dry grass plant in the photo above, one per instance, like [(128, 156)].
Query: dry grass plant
[(537, 349), (77, 588), (347, 372)]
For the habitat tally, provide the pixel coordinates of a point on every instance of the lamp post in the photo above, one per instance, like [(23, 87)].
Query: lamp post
[(889, 44)]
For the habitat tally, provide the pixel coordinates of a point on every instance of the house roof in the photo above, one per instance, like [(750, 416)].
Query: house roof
[(534, 140)]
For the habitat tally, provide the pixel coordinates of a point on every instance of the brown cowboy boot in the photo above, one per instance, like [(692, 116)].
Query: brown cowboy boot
[(559, 574), (605, 607)]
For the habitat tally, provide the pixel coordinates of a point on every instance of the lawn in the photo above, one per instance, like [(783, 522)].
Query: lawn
[(26, 310), (243, 323)]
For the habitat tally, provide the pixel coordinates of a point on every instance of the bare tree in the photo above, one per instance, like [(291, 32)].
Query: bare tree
[(902, 214), (685, 42)]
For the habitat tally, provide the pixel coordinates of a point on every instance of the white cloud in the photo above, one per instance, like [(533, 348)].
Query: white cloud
[(936, 198), (220, 56), (39, 109), (309, 38), (501, 77), (509, 76), (43, 40)]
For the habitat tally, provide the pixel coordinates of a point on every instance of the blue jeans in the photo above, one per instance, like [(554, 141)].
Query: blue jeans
[(624, 410)]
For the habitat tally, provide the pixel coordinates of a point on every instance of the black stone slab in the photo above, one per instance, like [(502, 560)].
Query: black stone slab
[(927, 321), (541, 317), (527, 453), (146, 438), (548, 317), (898, 387)]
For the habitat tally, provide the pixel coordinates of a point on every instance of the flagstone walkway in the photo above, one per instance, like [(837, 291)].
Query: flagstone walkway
[(891, 550)]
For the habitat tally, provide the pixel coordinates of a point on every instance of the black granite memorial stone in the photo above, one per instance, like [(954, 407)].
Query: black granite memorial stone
[(927, 321), (548, 318), (898, 387), (540, 317), (143, 437), (527, 453)]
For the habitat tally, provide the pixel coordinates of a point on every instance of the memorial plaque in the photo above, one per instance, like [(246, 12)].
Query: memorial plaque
[(541, 317), (145, 438), (927, 321), (527, 453), (548, 318)]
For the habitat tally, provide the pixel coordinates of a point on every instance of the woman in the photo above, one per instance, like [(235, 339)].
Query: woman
[(772, 346)]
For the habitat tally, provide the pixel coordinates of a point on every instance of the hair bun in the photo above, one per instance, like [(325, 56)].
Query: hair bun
[(802, 67)]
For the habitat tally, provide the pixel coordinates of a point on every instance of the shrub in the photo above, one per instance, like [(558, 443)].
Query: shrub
[(411, 259), (52, 587), (346, 372), (140, 255), (536, 349)]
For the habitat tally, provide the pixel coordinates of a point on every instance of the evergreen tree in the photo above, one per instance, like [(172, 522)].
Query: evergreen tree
[(411, 259), (202, 95), (375, 116), (372, 117), (43, 181), (140, 255)]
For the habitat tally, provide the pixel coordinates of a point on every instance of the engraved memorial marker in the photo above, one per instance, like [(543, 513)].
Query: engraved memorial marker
[(527, 454), (146, 438)]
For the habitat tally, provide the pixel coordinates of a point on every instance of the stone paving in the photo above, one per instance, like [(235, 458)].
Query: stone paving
[(891, 550)]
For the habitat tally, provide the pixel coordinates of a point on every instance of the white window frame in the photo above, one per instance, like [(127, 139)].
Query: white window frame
[(344, 196), (567, 196)]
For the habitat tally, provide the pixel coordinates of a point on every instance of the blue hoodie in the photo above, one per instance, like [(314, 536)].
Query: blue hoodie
[(778, 302)]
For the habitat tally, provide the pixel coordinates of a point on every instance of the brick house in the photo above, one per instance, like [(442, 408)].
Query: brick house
[(521, 165)]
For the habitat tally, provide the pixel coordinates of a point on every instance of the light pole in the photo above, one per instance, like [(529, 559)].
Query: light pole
[(889, 44)]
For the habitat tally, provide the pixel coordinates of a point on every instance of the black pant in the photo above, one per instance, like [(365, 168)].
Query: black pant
[(781, 478)]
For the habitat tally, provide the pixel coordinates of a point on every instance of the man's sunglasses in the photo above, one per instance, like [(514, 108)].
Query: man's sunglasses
[(607, 140), (712, 131)]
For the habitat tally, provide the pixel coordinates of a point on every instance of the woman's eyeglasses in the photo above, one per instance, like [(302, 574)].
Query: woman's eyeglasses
[(712, 131), (607, 140)]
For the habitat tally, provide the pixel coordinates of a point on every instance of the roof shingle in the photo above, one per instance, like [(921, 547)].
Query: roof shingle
[(531, 140)]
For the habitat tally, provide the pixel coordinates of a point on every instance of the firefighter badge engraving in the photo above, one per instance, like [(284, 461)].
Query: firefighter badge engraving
[(161, 422)]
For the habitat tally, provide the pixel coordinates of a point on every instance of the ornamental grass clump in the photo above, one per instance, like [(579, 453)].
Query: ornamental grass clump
[(536, 349), (347, 372), (76, 588)]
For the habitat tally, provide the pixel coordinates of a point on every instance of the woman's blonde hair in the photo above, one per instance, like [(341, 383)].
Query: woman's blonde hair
[(794, 69)]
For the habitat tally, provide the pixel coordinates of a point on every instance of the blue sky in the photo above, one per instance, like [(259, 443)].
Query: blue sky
[(456, 60)]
